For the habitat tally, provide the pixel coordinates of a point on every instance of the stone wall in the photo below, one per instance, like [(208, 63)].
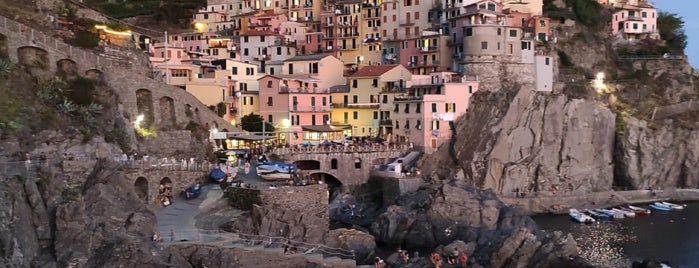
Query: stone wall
[(124, 74), (243, 198), (309, 200), (176, 142)]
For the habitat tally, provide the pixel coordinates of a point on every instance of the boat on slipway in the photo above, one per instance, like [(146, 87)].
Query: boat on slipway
[(598, 215), (580, 217), (672, 205), (611, 213), (640, 210)]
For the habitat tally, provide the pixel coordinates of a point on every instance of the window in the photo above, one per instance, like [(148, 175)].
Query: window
[(269, 84), (407, 108), (434, 107), (245, 52), (355, 98), (333, 162), (291, 68), (470, 89), (234, 70), (279, 50), (385, 99), (435, 125), (468, 32), (418, 108), (548, 61), (262, 38), (269, 119), (245, 39), (484, 45), (346, 117), (407, 124), (397, 124), (376, 115), (270, 101), (355, 115), (513, 33), (635, 26), (499, 31), (418, 124), (357, 163), (313, 119), (375, 83), (395, 109), (354, 83)]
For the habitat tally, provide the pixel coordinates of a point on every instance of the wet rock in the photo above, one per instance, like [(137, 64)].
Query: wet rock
[(362, 243)]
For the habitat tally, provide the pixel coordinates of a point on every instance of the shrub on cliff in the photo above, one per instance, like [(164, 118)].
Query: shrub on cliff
[(671, 29)]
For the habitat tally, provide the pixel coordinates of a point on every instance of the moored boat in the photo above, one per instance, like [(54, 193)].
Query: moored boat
[(580, 217), (671, 205), (611, 213), (598, 215), (640, 210), (660, 206), (627, 213)]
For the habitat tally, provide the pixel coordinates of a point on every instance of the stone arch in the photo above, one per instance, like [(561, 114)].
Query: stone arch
[(333, 163), (224, 130), (3, 47), (144, 106), (94, 74), (67, 68), (141, 188), (308, 164), (32, 56), (167, 112), (334, 183)]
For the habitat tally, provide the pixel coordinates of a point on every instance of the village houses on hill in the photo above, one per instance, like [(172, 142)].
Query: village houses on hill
[(397, 70)]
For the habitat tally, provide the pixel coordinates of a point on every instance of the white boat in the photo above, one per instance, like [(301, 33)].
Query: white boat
[(611, 213), (580, 217), (671, 205), (660, 206), (275, 176), (640, 210), (625, 212)]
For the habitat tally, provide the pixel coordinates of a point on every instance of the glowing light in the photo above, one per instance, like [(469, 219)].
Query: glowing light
[(598, 83), (233, 122), (600, 76), (114, 32), (199, 26), (139, 120)]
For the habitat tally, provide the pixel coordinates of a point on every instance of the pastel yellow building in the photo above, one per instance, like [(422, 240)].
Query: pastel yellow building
[(359, 104)]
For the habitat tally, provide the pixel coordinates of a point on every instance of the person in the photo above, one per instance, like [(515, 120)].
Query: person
[(451, 259), (436, 259), (286, 249), (247, 167), (172, 234), (463, 259), (378, 262), (404, 255), (157, 237), (294, 250)]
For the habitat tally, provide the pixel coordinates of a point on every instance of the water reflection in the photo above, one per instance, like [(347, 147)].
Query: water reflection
[(602, 243)]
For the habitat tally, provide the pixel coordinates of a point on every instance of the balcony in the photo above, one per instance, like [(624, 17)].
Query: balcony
[(328, 24), (347, 35), (263, 57), (386, 122), (349, 48), (372, 40), (429, 49), (309, 108), (407, 98), (286, 89), (356, 105), (406, 23), (392, 89), (634, 18), (285, 42)]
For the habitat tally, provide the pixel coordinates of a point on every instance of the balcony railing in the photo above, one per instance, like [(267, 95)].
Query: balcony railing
[(406, 23), (429, 49), (309, 108), (285, 43), (407, 98), (356, 105), (392, 89), (385, 122), (286, 89)]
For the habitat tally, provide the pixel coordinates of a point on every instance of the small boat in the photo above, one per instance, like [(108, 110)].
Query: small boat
[(611, 213), (627, 213), (598, 215), (580, 217), (671, 205), (261, 171), (660, 206), (275, 176), (640, 210)]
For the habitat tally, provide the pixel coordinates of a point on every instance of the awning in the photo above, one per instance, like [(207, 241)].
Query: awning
[(251, 137), (326, 128)]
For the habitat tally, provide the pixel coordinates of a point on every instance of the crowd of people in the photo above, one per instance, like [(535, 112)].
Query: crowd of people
[(455, 257)]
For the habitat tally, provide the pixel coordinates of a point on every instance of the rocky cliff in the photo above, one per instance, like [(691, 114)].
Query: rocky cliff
[(638, 131)]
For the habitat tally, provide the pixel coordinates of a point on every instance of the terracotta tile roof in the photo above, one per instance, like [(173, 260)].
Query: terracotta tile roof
[(373, 70), (259, 33)]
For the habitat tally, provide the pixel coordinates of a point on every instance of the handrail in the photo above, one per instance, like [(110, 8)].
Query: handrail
[(200, 236)]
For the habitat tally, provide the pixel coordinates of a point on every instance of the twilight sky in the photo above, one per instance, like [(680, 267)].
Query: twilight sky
[(683, 8)]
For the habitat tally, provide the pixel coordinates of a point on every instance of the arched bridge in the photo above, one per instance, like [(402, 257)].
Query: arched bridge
[(350, 165)]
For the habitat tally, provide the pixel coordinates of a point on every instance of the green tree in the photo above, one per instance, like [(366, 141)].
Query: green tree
[(671, 29), (253, 123)]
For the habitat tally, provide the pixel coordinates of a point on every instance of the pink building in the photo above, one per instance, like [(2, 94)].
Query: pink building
[(635, 22), (191, 41), (425, 114), (291, 106), (267, 21)]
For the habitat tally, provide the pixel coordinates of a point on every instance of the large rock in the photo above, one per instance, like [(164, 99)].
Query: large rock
[(361, 243), (658, 156), (281, 223), (493, 234)]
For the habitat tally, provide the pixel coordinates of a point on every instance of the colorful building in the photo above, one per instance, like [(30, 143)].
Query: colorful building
[(360, 104), (425, 114)]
